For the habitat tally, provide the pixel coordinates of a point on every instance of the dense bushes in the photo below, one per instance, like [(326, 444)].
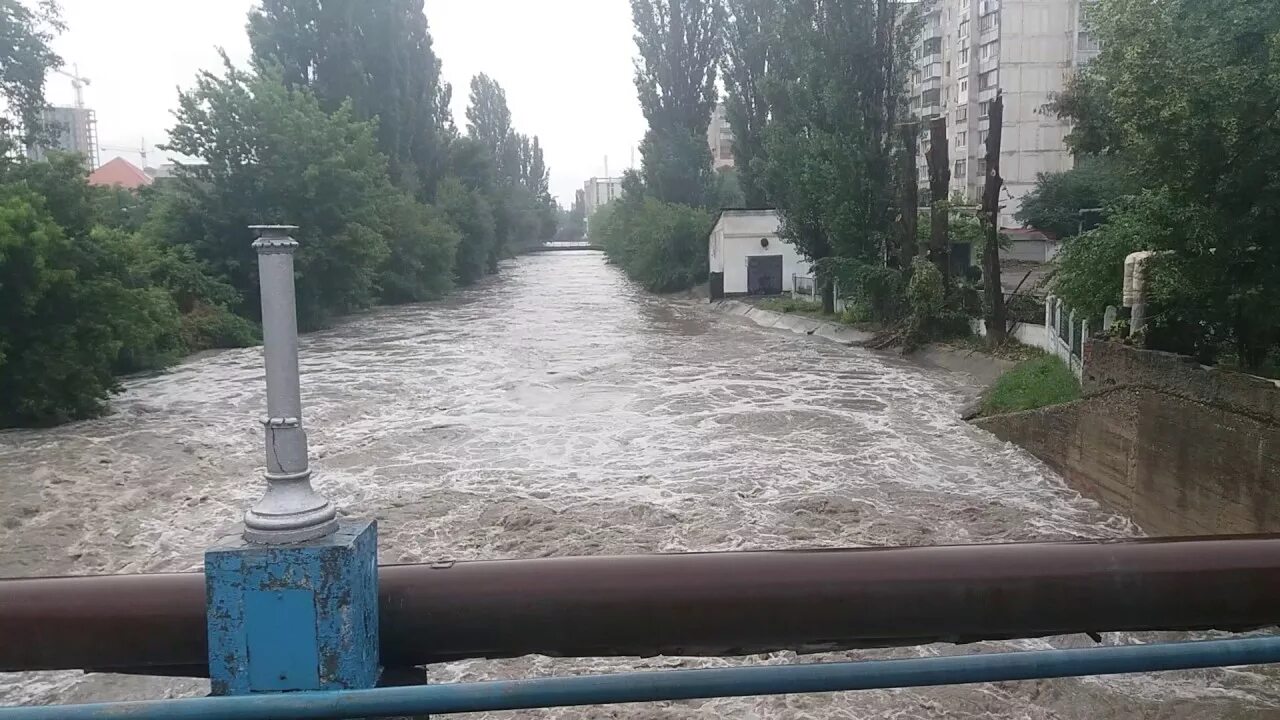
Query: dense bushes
[(84, 301), (663, 246)]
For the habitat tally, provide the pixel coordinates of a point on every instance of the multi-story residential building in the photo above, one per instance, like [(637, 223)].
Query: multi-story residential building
[(720, 139), (967, 51)]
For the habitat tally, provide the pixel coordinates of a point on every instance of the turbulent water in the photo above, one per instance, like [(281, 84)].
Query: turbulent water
[(560, 410)]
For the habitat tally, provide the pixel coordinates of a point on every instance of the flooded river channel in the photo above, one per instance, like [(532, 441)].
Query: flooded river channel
[(560, 410)]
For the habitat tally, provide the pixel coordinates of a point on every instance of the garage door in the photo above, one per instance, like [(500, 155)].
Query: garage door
[(764, 274)]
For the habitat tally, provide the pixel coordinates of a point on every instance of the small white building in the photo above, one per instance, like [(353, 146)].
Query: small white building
[(748, 258)]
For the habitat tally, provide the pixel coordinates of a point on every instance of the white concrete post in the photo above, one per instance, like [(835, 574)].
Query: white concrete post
[(1071, 335), (290, 511), (1048, 312)]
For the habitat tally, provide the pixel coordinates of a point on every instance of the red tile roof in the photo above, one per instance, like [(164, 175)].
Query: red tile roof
[(120, 172)]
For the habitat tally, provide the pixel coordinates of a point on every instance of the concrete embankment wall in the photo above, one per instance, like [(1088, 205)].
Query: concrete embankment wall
[(1180, 448)]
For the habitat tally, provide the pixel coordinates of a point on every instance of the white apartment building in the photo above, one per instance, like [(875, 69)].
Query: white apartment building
[(720, 139), (970, 48), (598, 192)]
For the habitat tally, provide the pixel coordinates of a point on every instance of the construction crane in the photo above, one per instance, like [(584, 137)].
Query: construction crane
[(78, 82), (85, 126), (141, 150)]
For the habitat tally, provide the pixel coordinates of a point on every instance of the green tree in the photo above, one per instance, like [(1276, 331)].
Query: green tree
[(729, 191), (748, 44), (663, 246), (523, 209), (25, 59), (834, 90), (489, 123), (78, 309), (1189, 93), (1055, 203), (679, 43), (422, 242), (272, 155), (376, 55), (469, 210)]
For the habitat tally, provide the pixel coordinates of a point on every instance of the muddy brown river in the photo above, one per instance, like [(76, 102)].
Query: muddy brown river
[(560, 410)]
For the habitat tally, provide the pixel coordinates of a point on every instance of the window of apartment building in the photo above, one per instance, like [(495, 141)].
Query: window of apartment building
[(964, 28), (982, 167), (962, 56), (989, 50), (933, 71), (961, 139), (989, 22), (915, 102), (982, 136), (1088, 43), (915, 76), (964, 87), (962, 168), (984, 108), (962, 115), (988, 80), (931, 97), (933, 46)]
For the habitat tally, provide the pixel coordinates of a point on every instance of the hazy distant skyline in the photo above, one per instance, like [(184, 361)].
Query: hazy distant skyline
[(566, 66)]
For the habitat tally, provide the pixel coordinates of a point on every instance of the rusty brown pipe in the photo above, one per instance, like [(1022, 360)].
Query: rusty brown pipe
[(694, 604)]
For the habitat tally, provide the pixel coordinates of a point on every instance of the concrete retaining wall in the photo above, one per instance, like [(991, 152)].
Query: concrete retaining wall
[(1179, 448), (795, 323)]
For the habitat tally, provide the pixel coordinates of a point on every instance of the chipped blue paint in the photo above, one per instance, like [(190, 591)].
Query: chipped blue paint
[(256, 595), (680, 684)]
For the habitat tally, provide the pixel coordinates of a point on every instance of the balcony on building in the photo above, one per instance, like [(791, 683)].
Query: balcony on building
[(931, 49), (988, 27)]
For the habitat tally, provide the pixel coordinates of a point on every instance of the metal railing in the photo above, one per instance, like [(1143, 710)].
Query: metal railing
[(681, 684)]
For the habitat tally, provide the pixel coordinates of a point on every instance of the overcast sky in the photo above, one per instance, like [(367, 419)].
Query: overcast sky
[(565, 64)]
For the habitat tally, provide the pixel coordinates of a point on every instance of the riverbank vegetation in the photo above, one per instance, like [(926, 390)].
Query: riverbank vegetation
[(1034, 383), (394, 202), (1175, 135), (816, 97), (1178, 139)]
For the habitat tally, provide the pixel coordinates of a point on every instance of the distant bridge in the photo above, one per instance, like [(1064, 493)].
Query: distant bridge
[(565, 246)]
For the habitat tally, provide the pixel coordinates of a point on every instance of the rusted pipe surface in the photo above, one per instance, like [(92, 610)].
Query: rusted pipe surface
[(694, 604)]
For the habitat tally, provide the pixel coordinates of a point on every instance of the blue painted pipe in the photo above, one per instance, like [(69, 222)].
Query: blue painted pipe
[(680, 684)]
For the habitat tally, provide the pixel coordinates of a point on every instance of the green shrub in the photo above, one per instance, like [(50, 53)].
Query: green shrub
[(925, 293), (1038, 382), (877, 290), (663, 246), (855, 313), (214, 326)]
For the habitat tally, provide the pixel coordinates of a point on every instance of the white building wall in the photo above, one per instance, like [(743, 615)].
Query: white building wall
[(736, 237), (598, 192)]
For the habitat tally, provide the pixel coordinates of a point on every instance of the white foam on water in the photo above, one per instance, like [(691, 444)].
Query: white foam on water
[(562, 411)]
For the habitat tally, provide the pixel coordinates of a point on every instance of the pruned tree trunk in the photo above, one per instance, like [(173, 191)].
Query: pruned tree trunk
[(939, 159), (829, 296), (910, 200), (997, 325)]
